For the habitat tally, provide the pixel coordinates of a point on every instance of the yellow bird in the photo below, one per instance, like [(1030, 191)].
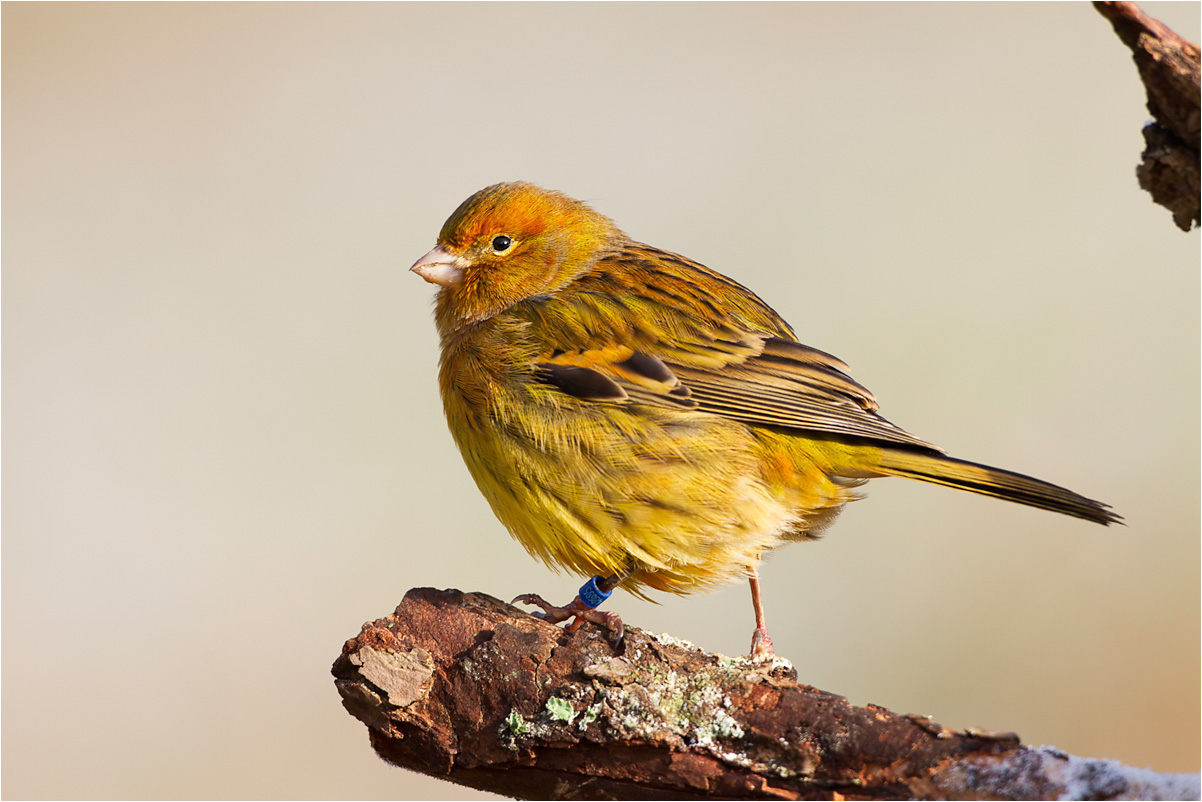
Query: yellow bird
[(634, 416)]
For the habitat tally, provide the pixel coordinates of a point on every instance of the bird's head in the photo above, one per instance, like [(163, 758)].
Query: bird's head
[(509, 242)]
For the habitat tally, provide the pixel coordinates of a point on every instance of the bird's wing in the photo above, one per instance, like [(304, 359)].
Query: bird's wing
[(668, 341)]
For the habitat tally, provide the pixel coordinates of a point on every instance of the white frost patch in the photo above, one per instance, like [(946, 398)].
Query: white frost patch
[(749, 663), (664, 639), (1036, 773), (1088, 778)]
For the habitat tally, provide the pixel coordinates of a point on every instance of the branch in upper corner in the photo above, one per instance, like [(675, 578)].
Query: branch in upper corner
[(464, 687), (1169, 68)]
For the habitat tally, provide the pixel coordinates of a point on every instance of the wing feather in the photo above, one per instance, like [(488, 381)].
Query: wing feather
[(686, 350)]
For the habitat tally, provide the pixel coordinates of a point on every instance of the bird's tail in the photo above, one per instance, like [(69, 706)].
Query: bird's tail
[(962, 475)]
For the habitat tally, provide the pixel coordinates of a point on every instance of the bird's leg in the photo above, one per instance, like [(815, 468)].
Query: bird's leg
[(761, 643), (584, 606)]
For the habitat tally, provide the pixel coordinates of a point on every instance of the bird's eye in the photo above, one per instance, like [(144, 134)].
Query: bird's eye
[(501, 243)]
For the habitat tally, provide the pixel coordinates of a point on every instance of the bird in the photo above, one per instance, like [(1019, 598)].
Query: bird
[(637, 418)]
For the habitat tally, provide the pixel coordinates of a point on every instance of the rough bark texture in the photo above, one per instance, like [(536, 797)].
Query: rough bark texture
[(1169, 68), (467, 688)]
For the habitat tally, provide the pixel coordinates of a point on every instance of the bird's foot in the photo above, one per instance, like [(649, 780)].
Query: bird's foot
[(579, 610), (761, 644)]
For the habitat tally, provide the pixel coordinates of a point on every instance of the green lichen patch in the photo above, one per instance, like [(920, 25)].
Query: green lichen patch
[(661, 703), (514, 726), (560, 710), (589, 716)]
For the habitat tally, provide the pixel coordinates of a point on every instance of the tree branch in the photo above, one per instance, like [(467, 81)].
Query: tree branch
[(467, 688), (1169, 68)]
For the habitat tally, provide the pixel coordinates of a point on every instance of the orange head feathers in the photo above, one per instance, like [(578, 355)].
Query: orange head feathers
[(508, 242)]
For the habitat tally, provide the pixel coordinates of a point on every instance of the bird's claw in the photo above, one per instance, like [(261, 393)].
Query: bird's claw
[(549, 611), (761, 643), (580, 611)]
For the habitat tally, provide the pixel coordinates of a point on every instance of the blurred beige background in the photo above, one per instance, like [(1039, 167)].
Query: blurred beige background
[(223, 444)]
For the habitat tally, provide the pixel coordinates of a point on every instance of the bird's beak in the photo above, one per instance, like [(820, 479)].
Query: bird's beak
[(439, 267)]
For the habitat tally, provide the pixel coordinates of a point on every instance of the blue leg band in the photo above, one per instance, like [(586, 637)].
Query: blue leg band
[(592, 595)]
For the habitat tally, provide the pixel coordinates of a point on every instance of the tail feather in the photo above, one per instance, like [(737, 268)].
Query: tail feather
[(975, 478)]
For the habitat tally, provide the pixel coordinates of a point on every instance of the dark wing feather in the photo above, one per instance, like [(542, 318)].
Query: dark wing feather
[(668, 341), (775, 390)]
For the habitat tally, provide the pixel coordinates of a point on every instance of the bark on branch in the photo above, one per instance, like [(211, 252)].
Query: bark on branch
[(1169, 68), (467, 688)]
